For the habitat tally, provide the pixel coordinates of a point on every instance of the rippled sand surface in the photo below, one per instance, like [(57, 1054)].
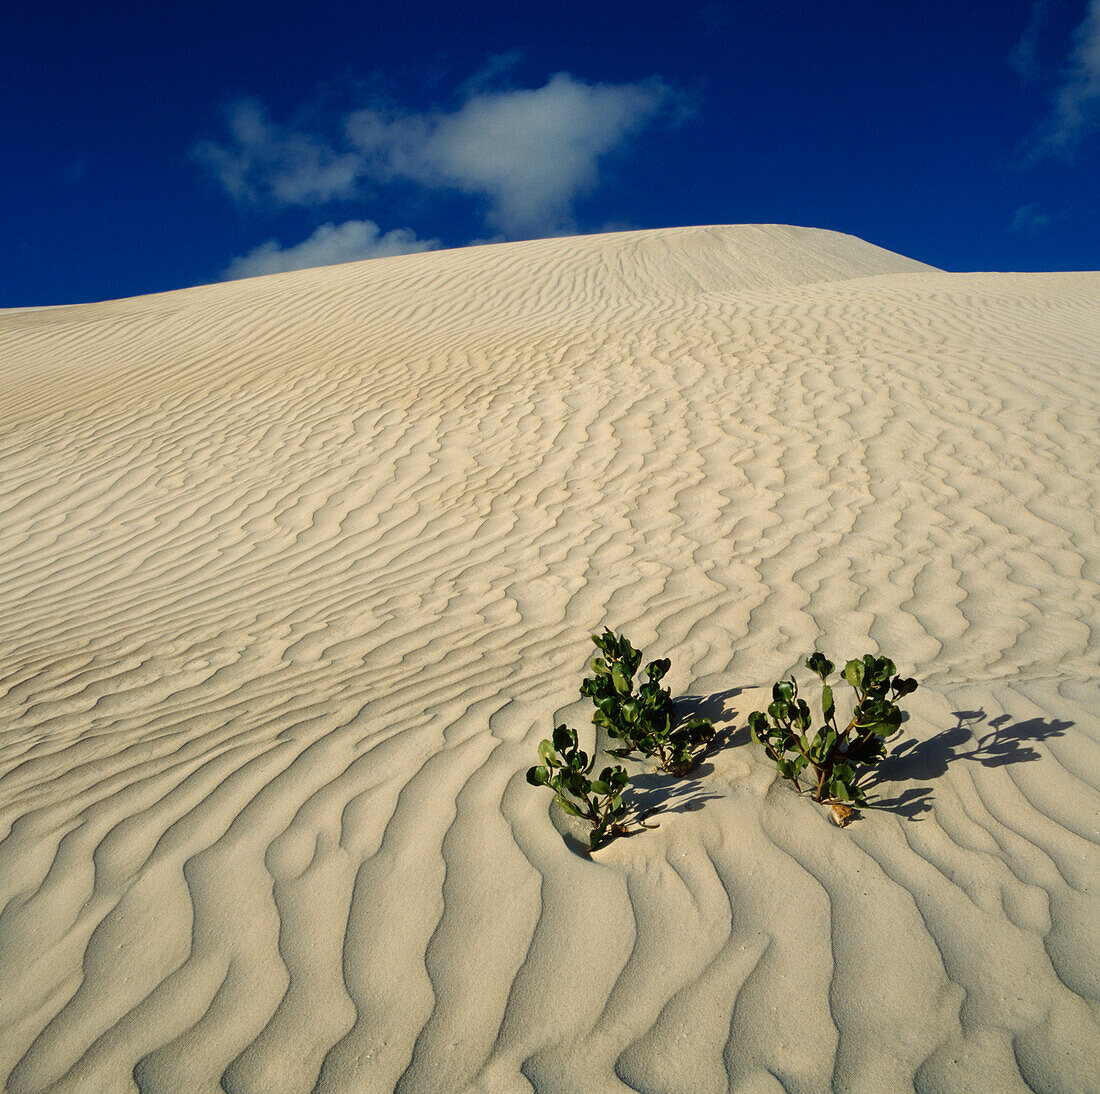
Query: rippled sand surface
[(296, 572)]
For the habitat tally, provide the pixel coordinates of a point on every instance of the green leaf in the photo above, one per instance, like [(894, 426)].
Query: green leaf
[(656, 670), (853, 673), (574, 782), (538, 776), (569, 807), (838, 760), (565, 739), (620, 680), (547, 754), (599, 666), (699, 730), (598, 837)]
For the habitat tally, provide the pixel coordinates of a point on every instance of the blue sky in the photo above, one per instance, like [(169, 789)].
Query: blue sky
[(155, 146)]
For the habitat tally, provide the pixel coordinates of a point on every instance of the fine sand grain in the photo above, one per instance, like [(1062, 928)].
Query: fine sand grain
[(297, 571)]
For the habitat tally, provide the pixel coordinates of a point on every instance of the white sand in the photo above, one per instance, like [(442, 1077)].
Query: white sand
[(297, 571)]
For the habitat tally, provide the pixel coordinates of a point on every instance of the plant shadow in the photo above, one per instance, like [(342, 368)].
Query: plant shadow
[(715, 707), (721, 713), (1006, 742), (653, 792)]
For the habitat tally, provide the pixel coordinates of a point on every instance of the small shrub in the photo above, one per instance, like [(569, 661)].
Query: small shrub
[(837, 758), (599, 801), (643, 720)]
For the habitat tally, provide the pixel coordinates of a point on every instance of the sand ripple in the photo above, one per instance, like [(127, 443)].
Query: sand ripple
[(297, 571)]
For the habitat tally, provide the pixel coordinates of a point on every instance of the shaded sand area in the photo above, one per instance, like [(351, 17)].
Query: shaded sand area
[(297, 571)]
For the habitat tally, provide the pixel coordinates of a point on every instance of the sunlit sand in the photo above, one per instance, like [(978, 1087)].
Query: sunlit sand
[(297, 571)]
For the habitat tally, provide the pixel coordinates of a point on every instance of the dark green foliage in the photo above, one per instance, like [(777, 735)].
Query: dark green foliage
[(837, 758), (597, 800), (643, 720)]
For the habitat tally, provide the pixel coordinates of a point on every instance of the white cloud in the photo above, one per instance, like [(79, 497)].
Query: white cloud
[(329, 245), (265, 161), (1077, 104), (531, 153), (528, 153)]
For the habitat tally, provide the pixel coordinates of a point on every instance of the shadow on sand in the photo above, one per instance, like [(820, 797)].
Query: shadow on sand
[(655, 793), (1006, 742)]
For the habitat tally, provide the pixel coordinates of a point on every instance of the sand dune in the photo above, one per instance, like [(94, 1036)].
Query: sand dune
[(297, 571)]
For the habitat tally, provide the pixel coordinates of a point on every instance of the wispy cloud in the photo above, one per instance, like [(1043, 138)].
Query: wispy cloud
[(1028, 220), (529, 154), (329, 245), (1076, 109), (1025, 57), (266, 162)]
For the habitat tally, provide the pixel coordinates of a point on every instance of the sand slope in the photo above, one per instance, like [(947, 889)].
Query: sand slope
[(297, 571)]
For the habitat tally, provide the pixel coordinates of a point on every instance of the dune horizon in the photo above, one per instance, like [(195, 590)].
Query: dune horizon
[(299, 569)]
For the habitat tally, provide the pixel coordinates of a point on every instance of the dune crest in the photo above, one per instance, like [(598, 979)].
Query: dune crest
[(297, 571)]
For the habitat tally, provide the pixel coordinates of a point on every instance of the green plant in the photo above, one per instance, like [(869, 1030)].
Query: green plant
[(838, 758), (644, 720), (599, 801)]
